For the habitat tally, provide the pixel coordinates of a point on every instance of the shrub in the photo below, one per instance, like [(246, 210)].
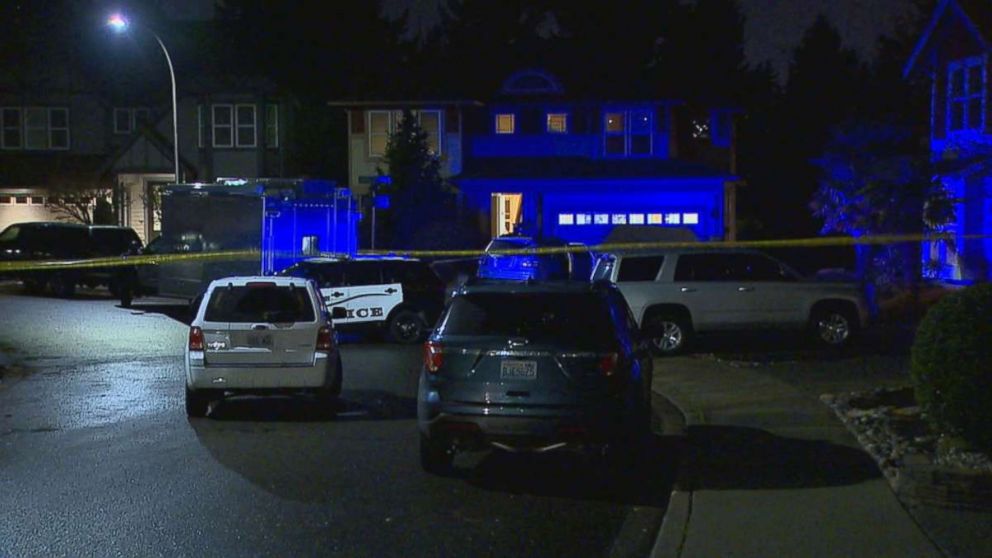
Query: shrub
[(951, 365)]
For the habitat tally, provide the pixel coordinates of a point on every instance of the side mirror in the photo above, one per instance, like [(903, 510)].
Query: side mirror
[(338, 313)]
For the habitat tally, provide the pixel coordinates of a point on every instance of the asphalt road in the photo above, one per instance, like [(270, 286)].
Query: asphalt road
[(97, 458)]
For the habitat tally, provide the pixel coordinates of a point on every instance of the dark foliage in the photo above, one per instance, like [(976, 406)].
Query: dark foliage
[(951, 365)]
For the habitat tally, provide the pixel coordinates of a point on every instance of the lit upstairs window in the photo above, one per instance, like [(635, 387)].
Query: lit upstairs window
[(505, 124), (965, 95), (557, 123)]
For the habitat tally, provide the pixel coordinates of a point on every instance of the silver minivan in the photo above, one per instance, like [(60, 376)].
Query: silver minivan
[(260, 335)]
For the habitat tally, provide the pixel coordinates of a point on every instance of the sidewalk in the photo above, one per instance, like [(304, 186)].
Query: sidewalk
[(769, 471)]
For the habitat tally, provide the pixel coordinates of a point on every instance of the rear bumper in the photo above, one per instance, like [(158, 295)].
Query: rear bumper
[(530, 428), (323, 372)]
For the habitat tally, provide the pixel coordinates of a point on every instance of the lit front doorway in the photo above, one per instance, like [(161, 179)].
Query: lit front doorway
[(507, 213)]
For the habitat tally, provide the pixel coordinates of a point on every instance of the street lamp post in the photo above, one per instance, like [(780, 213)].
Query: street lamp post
[(119, 23)]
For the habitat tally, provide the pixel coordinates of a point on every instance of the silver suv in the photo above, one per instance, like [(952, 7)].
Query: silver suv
[(260, 335), (675, 294)]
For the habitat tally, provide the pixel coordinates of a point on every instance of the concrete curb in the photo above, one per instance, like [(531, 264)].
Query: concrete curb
[(671, 535)]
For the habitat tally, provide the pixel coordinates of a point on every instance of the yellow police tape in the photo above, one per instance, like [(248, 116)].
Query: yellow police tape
[(247, 255)]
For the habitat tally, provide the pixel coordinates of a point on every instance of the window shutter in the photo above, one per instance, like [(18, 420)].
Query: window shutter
[(939, 101), (358, 122), (988, 96)]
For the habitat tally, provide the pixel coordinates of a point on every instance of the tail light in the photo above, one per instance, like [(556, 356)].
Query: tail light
[(195, 339), (325, 339), (433, 356), (608, 364)]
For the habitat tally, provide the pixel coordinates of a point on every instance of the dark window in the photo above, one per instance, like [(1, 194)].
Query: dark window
[(704, 267), (363, 273), (640, 268), (581, 320), (410, 273), (753, 267), (268, 304), (614, 145), (10, 234), (22, 199), (6, 200), (38, 200), (114, 241)]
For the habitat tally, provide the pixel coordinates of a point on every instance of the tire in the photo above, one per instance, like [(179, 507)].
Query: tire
[(669, 333), (126, 296), (435, 458), (406, 327), (197, 403), (63, 285), (833, 326)]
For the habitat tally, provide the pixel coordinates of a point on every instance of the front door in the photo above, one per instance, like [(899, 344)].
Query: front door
[(507, 213)]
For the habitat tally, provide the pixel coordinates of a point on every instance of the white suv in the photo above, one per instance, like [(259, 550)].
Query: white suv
[(675, 294), (260, 335)]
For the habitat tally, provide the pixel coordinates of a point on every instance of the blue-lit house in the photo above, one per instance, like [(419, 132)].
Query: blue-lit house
[(540, 159), (952, 55)]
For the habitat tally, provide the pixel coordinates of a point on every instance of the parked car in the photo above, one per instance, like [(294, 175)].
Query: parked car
[(533, 367), (67, 241), (675, 294), (560, 265), (260, 335), (400, 296)]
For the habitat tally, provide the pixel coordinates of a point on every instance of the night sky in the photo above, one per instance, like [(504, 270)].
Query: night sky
[(772, 28)]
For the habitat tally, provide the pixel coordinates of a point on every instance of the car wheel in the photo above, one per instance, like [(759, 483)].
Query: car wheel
[(63, 285), (406, 327), (435, 457), (197, 403), (833, 326), (127, 297), (669, 333)]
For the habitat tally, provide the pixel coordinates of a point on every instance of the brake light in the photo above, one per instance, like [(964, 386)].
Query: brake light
[(608, 364), (433, 356), (325, 339), (195, 339), (259, 284)]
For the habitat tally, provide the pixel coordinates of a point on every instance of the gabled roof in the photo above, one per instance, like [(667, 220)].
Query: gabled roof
[(162, 144), (584, 168), (977, 16)]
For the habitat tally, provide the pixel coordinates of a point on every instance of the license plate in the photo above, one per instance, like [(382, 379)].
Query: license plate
[(260, 340), (518, 370)]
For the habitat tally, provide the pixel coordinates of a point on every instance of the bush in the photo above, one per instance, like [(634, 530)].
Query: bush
[(951, 365)]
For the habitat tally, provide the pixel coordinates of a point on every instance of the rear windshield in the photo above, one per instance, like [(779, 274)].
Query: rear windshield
[(260, 304), (506, 245), (574, 319)]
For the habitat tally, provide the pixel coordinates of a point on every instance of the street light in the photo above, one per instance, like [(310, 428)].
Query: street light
[(120, 24)]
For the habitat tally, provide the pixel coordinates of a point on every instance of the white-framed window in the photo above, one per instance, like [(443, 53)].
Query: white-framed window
[(690, 218), (11, 125), (245, 135), (35, 128), (380, 125), (557, 123), (619, 219), (222, 128), (654, 218), (506, 123), (272, 125), (130, 119), (566, 218), (966, 94), (430, 122), (673, 219), (123, 121), (58, 128), (628, 133), (601, 218), (636, 218), (583, 219)]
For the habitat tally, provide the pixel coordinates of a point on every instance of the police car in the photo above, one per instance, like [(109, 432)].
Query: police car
[(401, 296)]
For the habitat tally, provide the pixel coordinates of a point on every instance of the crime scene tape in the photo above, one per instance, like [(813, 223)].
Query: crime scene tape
[(248, 255)]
